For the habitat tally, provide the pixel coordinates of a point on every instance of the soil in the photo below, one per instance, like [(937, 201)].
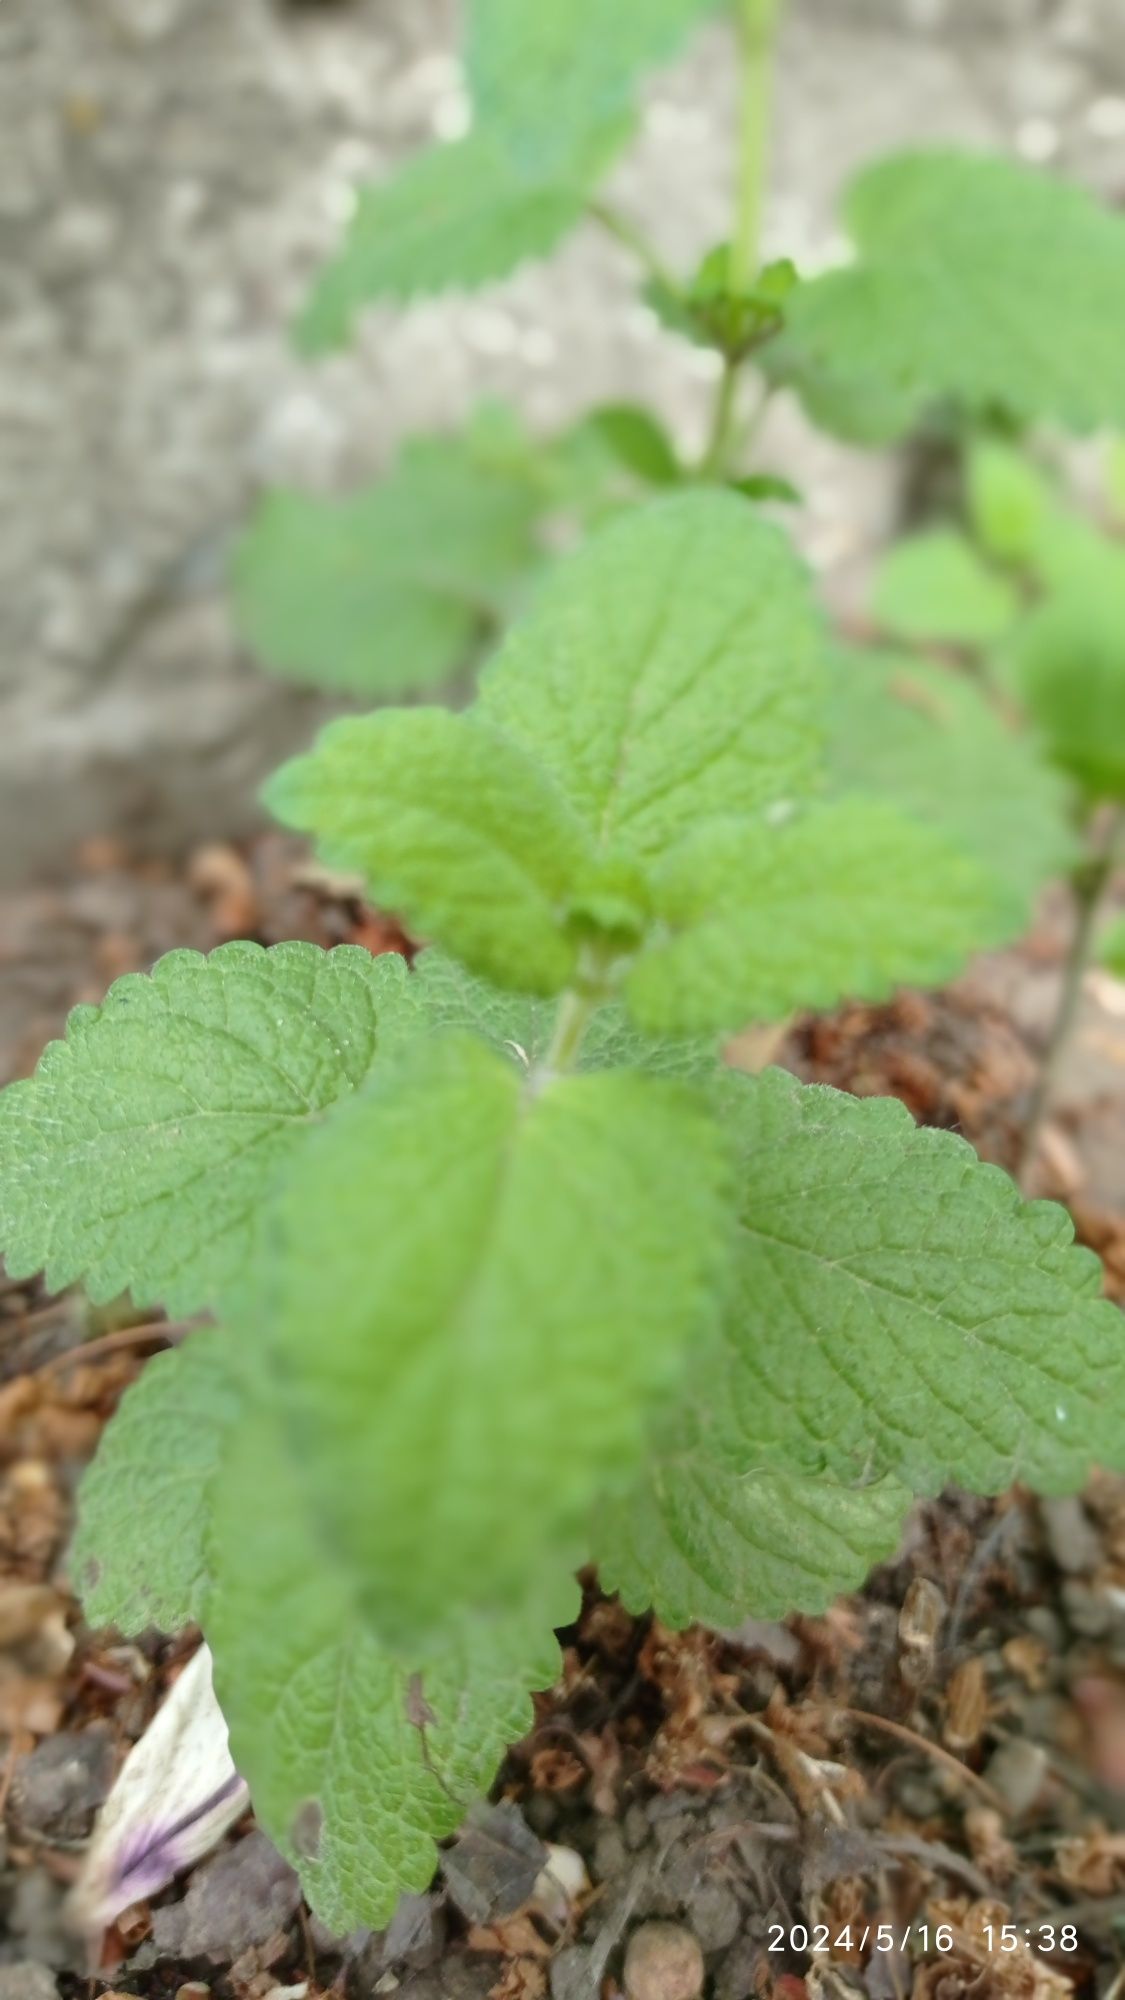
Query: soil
[(946, 1748)]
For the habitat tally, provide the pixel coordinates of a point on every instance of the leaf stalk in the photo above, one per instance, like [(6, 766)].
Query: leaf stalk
[(571, 1022)]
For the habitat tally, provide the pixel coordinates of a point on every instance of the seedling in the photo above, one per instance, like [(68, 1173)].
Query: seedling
[(509, 1271)]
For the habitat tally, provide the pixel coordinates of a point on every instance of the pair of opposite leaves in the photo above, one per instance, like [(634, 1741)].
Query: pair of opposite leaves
[(160, 1125)]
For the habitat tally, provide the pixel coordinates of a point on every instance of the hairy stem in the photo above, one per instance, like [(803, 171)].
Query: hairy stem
[(717, 450), (1088, 884), (571, 1023), (757, 22)]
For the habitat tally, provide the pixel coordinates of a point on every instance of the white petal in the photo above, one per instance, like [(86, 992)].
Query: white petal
[(174, 1798)]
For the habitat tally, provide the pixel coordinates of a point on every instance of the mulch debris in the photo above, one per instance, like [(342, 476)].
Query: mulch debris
[(691, 1811)]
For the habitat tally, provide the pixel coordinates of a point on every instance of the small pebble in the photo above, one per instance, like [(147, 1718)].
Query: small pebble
[(663, 1962), (1046, 1625), (610, 1851), (716, 1915), (1071, 1536), (1088, 1611), (59, 1785), (1016, 1771), (560, 1884)]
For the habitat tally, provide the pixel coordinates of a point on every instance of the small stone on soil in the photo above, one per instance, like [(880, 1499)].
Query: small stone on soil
[(1072, 1538), (1017, 1770), (494, 1864), (715, 1914), (237, 1900), (663, 1962), (59, 1786)]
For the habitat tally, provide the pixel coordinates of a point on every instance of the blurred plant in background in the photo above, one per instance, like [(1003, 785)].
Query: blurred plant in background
[(513, 1270), (980, 311)]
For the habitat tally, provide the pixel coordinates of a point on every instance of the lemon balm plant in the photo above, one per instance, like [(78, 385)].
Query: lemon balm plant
[(509, 1271), (977, 290), (980, 299), (506, 1270)]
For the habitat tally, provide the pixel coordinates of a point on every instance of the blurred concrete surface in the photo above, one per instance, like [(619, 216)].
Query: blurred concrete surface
[(172, 171)]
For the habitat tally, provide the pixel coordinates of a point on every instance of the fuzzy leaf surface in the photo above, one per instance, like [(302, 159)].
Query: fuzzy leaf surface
[(543, 75), (901, 1310), (669, 673), (929, 742), (357, 1763), (453, 828), (391, 587), (845, 901), (934, 586), (717, 1536), (140, 1154), (506, 1279), (453, 218), (978, 280), (140, 1556), (450, 997)]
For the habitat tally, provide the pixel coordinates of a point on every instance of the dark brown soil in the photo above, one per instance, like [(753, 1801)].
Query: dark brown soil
[(946, 1748)]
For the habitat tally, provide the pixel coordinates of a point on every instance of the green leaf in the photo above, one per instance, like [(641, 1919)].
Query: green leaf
[(708, 312), (140, 1153), (543, 75), (1068, 659), (902, 1311), (140, 1558), (635, 441), (357, 1765), (714, 1536), (450, 997), (453, 828), (934, 586), (927, 740), (392, 587), (191, 1512), (1011, 505), (978, 280), (846, 901), (503, 1275), (670, 672), (768, 486), (455, 217)]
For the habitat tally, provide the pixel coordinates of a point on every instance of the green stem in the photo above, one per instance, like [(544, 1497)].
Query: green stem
[(716, 451), (571, 1023), (1088, 884), (757, 23)]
